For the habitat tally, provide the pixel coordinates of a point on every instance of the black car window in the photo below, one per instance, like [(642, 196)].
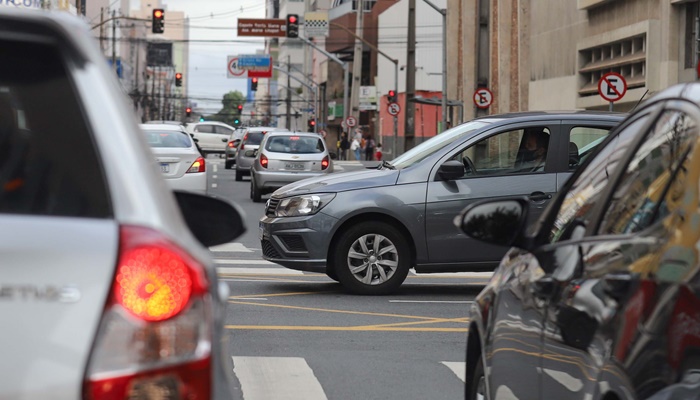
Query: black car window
[(294, 144), (582, 141), (48, 161), (168, 139), (254, 137), (512, 152), (579, 201), (638, 199)]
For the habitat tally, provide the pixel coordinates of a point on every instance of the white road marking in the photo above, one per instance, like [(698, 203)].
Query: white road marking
[(215, 176), (245, 262), (272, 378), (457, 274), (231, 247), (214, 185), (257, 271), (432, 301), (216, 167), (459, 368)]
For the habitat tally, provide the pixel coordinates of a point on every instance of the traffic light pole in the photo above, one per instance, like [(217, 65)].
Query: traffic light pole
[(346, 73)]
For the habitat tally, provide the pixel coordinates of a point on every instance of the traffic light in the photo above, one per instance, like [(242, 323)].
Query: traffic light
[(178, 79), (188, 111), (236, 121), (254, 84), (292, 25), (201, 119), (157, 24), (240, 108), (391, 96), (312, 123)]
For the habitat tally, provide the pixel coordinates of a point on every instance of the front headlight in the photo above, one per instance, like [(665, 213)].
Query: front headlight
[(298, 206)]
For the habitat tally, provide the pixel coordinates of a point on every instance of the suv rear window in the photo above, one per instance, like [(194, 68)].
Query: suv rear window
[(294, 144), (254, 137), (48, 161)]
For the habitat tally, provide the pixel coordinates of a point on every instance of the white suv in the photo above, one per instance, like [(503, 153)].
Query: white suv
[(211, 136)]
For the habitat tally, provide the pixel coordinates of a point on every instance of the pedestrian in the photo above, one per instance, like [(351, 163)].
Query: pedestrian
[(369, 149), (344, 146), (378, 153), (355, 147)]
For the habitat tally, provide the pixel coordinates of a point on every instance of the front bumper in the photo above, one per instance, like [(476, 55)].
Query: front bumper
[(299, 243)]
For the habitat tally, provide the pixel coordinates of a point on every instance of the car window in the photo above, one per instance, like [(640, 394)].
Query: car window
[(254, 137), (168, 139), (294, 144), (511, 152), (204, 128), (580, 199), (222, 130), (48, 161), (582, 141), (436, 143), (639, 198)]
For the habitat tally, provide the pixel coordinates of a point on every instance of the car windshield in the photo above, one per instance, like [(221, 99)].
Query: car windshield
[(435, 144), (294, 144), (168, 139)]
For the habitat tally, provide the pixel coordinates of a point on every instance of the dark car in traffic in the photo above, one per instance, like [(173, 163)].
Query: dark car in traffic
[(367, 228), (601, 299)]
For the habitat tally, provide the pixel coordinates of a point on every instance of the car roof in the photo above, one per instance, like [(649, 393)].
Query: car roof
[(288, 133), (162, 122), (265, 129), (161, 127), (526, 116)]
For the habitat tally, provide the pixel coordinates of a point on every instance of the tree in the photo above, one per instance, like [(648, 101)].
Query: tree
[(230, 111)]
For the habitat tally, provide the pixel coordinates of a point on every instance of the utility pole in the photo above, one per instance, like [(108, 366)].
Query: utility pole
[(443, 12), (288, 122), (357, 63), (114, 42), (410, 114)]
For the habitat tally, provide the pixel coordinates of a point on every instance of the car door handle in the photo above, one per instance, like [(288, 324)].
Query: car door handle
[(539, 196)]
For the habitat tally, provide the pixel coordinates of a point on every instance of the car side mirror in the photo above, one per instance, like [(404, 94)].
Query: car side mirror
[(195, 140), (451, 170), (225, 140), (499, 222), (211, 220)]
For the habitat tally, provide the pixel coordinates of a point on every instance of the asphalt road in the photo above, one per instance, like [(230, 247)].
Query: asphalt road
[(297, 335)]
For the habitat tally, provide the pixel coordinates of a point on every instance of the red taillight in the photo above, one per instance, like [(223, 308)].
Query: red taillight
[(199, 165), (263, 161), (155, 333), (325, 162), (231, 145)]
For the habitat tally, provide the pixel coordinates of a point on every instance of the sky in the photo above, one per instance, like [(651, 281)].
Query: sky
[(216, 20)]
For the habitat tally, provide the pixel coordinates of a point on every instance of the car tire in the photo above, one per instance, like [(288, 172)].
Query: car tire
[(239, 176), (228, 164), (478, 384), (388, 269), (255, 193)]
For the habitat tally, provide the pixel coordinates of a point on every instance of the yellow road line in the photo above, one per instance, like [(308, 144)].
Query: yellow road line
[(274, 295), (440, 321)]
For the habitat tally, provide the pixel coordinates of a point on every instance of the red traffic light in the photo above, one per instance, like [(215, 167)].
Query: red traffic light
[(255, 80), (293, 19), (178, 76), (312, 122), (157, 13), (188, 109), (392, 93), (240, 107)]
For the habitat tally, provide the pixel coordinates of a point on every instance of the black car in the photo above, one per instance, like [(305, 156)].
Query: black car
[(601, 299)]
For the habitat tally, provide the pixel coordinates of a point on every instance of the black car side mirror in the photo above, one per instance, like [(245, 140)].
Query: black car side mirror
[(499, 222), (225, 140), (451, 170), (212, 221)]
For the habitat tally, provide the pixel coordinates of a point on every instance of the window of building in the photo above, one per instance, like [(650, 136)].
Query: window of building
[(627, 57)]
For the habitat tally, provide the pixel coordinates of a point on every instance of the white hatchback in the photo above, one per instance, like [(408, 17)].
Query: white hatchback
[(181, 164)]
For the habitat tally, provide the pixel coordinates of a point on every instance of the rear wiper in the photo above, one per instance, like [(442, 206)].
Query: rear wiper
[(386, 164)]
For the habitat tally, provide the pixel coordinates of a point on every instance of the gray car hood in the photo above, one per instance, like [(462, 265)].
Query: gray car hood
[(340, 182)]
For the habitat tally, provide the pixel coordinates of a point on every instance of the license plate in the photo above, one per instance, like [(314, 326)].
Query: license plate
[(294, 166), (164, 168)]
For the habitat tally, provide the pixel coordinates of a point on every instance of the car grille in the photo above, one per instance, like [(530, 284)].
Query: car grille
[(271, 206), (293, 242), (269, 250)]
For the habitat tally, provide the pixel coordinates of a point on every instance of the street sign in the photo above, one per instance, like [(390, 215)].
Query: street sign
[(316, 24), (257, 65), (483, 98), (394, 109), (234, 71), (262, 27), (612, 87), (351, 121)]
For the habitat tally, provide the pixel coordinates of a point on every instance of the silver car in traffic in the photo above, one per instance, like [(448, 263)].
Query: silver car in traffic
[(108, 290), (252, 137), (286, 157)]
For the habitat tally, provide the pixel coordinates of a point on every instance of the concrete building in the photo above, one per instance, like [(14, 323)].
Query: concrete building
[(551, 54)]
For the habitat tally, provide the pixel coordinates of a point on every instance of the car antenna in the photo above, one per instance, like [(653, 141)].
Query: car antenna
[(640, 100)]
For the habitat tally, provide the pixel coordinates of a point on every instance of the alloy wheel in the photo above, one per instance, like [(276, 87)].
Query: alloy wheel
[(373, 259)]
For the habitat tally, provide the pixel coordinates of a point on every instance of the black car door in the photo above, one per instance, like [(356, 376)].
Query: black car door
[(605, 284)]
